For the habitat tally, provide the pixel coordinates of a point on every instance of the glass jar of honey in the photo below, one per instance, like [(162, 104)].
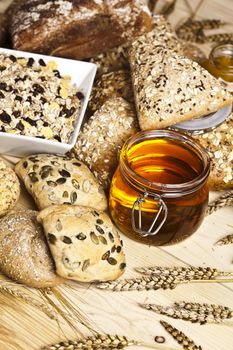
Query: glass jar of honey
[(159, 192), (220, 64)]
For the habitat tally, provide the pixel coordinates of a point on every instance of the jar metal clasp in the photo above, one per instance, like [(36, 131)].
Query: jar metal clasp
[(162, 212)]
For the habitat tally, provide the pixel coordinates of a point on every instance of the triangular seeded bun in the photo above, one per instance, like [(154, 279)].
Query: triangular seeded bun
[(170, 88), (219, 144)]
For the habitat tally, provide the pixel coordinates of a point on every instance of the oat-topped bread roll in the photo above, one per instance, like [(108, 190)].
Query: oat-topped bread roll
[(9, 188), (103, 136), (85, 245), (54, 179), (110, 85), (113, 60), (24, 253), (77, 29), (170, 88), (219, 144)]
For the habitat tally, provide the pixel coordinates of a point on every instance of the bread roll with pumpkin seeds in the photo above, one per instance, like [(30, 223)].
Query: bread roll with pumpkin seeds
[(85, 245), (9, 188), (52, 179), (24, 253)]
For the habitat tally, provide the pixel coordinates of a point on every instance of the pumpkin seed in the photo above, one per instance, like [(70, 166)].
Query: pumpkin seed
[(86, 263), (81, 236), (58, 225), (99, 229), (75, 183), (73, 197), (86, 186), (61, 180), (51, 183), (106, 255), (122, 266), (66, 240), (94, 238), (64, 173), (103, 240), (51, 238), (65, 194), (111, 237), (112, 261)]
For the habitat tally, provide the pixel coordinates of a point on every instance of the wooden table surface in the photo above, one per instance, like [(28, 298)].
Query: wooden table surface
[(23, 327)]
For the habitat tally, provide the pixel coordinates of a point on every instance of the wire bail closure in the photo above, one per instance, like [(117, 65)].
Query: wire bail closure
[(162, 210)]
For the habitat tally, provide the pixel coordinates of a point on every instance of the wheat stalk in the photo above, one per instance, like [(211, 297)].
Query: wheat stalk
[(180, 272), (225, 200), (180, 337), (193, 312), (166, 278), (225, 240), (16, 292), (100, 342)]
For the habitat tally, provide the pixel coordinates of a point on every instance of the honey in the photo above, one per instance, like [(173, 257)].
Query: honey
[(220, 64), (159, 191)]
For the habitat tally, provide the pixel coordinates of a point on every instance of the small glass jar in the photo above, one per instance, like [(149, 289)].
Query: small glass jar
[(159, 192), (220, 64)]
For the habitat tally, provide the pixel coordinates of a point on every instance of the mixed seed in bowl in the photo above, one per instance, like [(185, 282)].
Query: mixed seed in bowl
[(36, 100)]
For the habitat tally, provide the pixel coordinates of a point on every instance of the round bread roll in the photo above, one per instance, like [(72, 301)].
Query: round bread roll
[(54, 179), (24, 254), (9, 189), (219, 144), (85, 245)]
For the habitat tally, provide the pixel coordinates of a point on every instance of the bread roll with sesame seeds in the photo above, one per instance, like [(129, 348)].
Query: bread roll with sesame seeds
[(85, 244), (103, 136), (169, 88), (219, 144)]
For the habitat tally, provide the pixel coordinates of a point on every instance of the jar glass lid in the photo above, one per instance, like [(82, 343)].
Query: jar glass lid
[(205, 123)]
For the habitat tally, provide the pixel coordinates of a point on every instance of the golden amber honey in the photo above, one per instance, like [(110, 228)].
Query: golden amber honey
[(167, 164), (220, 64)]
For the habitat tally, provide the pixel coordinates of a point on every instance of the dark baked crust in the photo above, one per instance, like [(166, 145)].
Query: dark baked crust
[(77, 28)]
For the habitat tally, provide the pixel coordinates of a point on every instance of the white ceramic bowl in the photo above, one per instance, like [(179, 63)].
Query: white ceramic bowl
[(82, 74)]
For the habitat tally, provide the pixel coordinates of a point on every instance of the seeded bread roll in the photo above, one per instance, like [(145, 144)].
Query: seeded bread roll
[(54, 179), (103, 136), (24, 254), (9, 189), (85, 245), (77, 29), (169, 88), (219, 144), (113, 60), (110, 85)]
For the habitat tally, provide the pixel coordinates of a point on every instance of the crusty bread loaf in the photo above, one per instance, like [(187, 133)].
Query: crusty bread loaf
[(9, 188), (77, 29), (24, 253), (219, 144), (103, 136), (2, 29), (52, 179), (169, 88), (110, 85), (85, 245)]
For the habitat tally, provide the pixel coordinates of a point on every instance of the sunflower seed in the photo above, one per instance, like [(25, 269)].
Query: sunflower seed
[(61, 180), (73, 197), (58, 225), (106, 255), (86, 186), (103, 240), (112, 261), (86, 264), (75, 184)]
